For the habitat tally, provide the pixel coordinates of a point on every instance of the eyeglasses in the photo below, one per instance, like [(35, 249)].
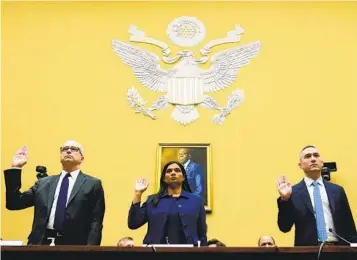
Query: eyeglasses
[(72, 148)]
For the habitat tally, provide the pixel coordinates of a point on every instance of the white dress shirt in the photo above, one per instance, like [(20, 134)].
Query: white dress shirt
[(325, 204), (71, 180)]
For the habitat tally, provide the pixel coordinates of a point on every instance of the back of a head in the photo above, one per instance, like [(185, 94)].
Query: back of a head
[(215, 243)]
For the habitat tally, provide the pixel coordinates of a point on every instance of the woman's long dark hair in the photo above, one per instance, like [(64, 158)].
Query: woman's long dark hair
[(163, 184)]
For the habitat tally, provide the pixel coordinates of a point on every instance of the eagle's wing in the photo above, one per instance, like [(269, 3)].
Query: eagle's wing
[(225, 66), (145, 65)]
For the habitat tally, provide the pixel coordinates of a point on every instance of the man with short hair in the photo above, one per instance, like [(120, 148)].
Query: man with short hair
[(69, 207), (316, 207), (126, 242), (266, 241)]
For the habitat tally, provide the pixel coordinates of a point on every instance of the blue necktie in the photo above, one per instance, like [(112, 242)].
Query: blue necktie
[(61, 204), (319, 211)]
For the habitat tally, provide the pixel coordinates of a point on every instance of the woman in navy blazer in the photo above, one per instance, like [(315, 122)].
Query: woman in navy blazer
[(174, 214)]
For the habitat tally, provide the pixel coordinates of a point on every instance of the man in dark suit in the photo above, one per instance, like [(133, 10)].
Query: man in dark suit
[(314, 205), (69, 207), (194, 172)]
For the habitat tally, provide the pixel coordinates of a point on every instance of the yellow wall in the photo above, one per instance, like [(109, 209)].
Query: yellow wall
[(62, 80)]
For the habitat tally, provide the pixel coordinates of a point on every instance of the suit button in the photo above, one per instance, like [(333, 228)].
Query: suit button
[(185, 226), (181, 214), (179, 206)]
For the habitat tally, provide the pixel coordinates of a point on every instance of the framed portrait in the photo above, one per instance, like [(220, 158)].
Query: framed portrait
[(196, 158)]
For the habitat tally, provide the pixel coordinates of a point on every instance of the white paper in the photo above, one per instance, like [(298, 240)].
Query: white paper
[(11, 243)]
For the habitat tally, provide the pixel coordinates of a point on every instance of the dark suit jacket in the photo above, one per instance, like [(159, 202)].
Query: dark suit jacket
[(85, 208), (192, 215), (298, 210), (195, 179)]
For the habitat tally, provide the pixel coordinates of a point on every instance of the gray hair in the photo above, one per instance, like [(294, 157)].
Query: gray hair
[(75, 144)]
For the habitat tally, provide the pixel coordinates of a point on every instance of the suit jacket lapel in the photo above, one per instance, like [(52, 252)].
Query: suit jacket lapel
[(77, 185), (329, 191), (51, 193), (305, 197)]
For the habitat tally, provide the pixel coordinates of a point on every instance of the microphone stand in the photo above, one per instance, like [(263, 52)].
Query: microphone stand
[(320, 250)]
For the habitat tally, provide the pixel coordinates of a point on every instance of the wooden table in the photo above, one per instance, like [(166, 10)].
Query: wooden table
[(196, 253)]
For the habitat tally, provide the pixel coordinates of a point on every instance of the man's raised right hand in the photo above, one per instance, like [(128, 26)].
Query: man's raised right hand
[(20, 158), (284, 187)]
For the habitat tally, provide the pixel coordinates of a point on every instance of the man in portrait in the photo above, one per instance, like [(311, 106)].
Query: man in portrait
[(194, 172)]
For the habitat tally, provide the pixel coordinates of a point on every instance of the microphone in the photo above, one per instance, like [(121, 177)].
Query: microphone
[(337, 235), (41, 172)]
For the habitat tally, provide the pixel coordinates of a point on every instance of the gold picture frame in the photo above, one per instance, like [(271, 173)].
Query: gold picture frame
[(197, 157)]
